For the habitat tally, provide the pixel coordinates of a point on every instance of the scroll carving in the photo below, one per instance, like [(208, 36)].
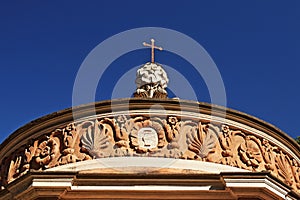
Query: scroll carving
[(247, 151), (250, 153), (152, 136), (57, 148)]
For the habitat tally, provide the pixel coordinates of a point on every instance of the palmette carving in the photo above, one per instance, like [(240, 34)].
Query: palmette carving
[(200, 140), (156, 136), (283, 165), (97, 139)]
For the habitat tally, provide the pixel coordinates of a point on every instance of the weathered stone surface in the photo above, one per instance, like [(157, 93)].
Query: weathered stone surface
[(151, 81), (176, 138), (239, 140)]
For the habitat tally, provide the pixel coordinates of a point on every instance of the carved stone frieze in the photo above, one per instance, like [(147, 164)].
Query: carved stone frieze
[(56, 148), (152, 136), (247, 151)]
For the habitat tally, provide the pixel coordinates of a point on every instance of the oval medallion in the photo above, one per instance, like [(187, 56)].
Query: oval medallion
[(147, 138)]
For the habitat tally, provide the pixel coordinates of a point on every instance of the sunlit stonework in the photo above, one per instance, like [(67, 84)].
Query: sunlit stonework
[(151, 81), (176, 151), (147, 138)]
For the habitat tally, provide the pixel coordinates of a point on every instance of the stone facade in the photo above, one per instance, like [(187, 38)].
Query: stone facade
[(181, 130)]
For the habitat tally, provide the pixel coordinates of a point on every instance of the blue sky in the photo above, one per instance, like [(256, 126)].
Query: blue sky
[(255, 44)]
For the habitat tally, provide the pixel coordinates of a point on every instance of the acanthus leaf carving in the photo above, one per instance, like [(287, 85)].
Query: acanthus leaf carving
[(268, 154), (296, 172), (154, 136), (122, 136), (14, 169), (258, 154), (172, 127), (56, 148), (227, 143), (71, 141)]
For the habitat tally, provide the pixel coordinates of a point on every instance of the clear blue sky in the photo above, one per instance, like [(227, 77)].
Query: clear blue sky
[(255, 44)]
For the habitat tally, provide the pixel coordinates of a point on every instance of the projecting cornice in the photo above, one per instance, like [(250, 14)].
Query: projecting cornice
[(172, 129), (107, 185)]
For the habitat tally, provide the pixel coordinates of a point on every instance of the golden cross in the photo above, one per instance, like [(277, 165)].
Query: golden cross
[(152, 48)]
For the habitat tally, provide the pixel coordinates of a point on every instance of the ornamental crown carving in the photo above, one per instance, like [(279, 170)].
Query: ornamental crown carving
[(151, 81)]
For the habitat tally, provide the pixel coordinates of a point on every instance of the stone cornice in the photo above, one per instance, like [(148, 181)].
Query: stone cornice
[(135, 127), (66, 185), (65, 116)]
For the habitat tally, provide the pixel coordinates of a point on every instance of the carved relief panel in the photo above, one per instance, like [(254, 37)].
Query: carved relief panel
[(154, 136)]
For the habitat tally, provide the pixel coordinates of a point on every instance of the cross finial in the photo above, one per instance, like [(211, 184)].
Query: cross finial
[(152, 48)]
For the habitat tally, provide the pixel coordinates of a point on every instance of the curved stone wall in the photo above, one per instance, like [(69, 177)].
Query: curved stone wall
[(141, 128)]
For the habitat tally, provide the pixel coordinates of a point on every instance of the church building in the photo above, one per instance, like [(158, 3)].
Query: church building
[(133, 149)]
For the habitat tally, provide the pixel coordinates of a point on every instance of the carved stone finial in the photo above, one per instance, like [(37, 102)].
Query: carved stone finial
[(151, 81)]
